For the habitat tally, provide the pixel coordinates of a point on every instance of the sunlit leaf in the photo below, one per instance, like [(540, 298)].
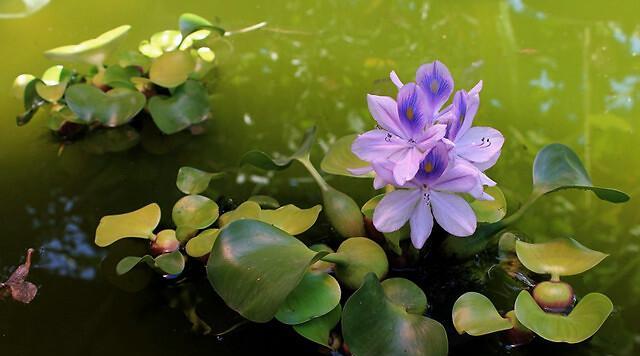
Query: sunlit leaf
[(114, 108), (194, 181), (19, 85), (171, 263), (167, 41), (490, 211), (93, 51), (53, 83), (195, 211), (188, 105), (557, 167), (246, 210), (340, 159), (474, 314), (139, 223), (266, 162), (254, 266), (317, 294), (561, 257), (318, 329), (171, 69), (202, 244), (290, 218), (373, 325), (191, 22), (355, 258), (583, 321), (206, 54), (403, 292)]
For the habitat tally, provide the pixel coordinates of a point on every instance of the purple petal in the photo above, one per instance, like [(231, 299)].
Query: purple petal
[(479, 144), (395, 79), (421, 222), (384, 174), (453, 213), (360, 171), (377, 145), (430, 137), (483, 166), (433, 165), (437, 83), (407, 167), (385, 111), (462, 177), (395, 209), (412, 109), (472, 104)]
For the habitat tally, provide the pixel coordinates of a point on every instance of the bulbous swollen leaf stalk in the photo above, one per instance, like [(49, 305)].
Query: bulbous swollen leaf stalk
[(554, 296)]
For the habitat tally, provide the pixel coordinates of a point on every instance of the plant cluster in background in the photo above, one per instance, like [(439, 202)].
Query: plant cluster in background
[(163, 80), (340, 291)]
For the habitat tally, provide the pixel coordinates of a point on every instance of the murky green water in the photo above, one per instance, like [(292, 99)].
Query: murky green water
[(553, 72)]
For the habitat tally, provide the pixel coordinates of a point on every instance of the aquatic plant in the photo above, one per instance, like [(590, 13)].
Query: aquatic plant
[(164, 81), (431, 163)]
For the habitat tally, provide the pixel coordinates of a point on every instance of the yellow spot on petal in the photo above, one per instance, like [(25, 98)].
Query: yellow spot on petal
[(428, 167), (409, 113), (434, 86)]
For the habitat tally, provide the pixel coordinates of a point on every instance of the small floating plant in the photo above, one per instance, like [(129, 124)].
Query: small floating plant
[(163, 83), (341, 291)]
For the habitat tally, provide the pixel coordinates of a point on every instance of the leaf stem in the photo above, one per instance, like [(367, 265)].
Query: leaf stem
[(518, 214), (306, 162), (247, 29)]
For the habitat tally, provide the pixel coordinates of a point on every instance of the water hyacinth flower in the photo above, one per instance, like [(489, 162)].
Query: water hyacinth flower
[(405, 132), (430, 194)]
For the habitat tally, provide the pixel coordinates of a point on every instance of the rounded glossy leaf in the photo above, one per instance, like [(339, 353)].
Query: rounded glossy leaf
[(189, 23), (265, 201), (194, 181), (316, 295), (19, 85), (171, 263), (134, 59), (340, 159), (561, 257), (373, 325), (206, 54), (202, 244), (405, 293), (246, 210), (583, 321), (290, 218), (93, 51), (166, 40), (195, 211), (171, 69), (139, 223), (128, 263), (193, 38), (474, 314), (53, 83), (188, 105), (114, 108), (490, 211), (146, 48), (318, 329), (355, 258), (254, 266), (117, 76), (343, 213), (557, 167)]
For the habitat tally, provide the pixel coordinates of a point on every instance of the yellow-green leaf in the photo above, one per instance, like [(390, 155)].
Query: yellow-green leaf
[(474, 314), (139, 224), (561, 257)]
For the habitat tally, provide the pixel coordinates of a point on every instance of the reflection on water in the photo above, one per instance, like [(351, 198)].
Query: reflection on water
[(553, 72), (11, 9)]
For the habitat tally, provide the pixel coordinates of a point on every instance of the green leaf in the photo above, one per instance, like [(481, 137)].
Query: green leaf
[(202, 244), (195, 211), (266, 162), (265, 201), (557, 167), (139, 223), (20, 84), (32, 102), (106, 140), (288, 218), (474, 314), (340, 159), (171, 69), (316, 295), (189, 23), (117, 76), (561, 257), (355, 258), (93, 51), (188, 105), (582, 323), (128, 263), (134, 59), (53, 83), (254, 266), (167, 41), (403, 292), (490, 211), (373, 325), (194, 181), (171, 263), (343, 213), (114, 108), (318, 329)]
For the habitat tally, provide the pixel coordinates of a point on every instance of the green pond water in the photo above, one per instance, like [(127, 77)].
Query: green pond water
[(553, 71)]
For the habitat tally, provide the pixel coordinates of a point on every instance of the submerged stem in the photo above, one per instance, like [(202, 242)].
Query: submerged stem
[(247, 29), (518, 214)]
